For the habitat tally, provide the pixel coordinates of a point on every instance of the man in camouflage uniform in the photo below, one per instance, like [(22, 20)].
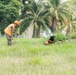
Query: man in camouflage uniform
[(9, 31)]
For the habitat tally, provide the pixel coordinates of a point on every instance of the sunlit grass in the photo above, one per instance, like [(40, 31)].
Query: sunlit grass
[(32, 57)]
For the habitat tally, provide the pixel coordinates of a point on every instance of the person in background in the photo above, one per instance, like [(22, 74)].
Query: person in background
[(10, 30), (51, 40)]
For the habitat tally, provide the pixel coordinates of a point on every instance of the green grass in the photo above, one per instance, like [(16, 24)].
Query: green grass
[(32, 57)]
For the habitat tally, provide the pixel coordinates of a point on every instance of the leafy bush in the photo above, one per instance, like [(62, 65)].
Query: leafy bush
[(60, 36), (73, 35)]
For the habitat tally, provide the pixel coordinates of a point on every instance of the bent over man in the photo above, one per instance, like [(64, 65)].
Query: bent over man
[(9, 31)]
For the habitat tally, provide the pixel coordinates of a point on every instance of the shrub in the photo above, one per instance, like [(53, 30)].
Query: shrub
[(73, 35), (60, 36)]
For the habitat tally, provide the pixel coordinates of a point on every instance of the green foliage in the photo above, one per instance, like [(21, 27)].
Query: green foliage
[(33, 14), (24, 25), (13, 14), (60, 36), (16, 4), (9, 11), (73, 35), (57, 12), (5, 2), (55, 3)]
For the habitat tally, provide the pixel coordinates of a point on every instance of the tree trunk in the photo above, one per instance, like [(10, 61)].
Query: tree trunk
[(54, 23), (36, 31), (67, 30)]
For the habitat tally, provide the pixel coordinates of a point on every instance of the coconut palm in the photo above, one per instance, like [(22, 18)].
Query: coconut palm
[(33, 14), (58, 12), (73, 10)]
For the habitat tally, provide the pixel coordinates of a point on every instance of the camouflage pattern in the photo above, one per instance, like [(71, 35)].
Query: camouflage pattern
[(9, 39)]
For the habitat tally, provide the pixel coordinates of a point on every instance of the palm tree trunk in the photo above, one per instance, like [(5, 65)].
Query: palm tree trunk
[(36, 31), (67, 29), (54, 23)]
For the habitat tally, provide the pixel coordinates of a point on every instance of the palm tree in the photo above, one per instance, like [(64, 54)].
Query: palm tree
[(57, 13), (33, 14), (73, 10)]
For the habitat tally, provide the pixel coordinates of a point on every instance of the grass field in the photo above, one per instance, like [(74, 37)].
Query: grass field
[(32, 57)]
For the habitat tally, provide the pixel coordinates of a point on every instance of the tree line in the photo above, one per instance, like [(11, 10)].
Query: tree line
[(52, 14)]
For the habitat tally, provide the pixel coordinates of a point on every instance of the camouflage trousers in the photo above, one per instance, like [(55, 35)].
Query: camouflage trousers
[(9, 39)]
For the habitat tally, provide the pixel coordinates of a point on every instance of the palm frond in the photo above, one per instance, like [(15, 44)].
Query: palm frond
[(64, 11), (55, 3), (48, 21), (34, 6), (43, 13), (63, 17), (24, 25), (41, 23), (48, 5), (65, 4)]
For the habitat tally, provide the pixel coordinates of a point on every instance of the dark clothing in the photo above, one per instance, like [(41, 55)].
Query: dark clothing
[(51, 40)]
